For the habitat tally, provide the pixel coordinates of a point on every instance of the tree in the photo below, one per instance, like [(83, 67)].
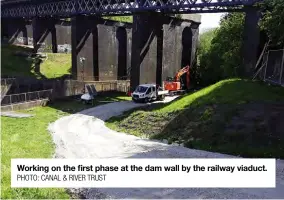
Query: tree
[(273, 20), (128, 19), (198, 73), (220, 54), (222, 58)]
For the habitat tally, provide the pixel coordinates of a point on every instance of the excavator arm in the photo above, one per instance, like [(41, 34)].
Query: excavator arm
[(185, 70), (181, 72), (175, 84)]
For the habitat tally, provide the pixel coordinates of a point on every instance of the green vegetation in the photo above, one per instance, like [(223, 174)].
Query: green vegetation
[(128, 19), (29, 138), (18, 63), (56, 65), (205, 40), (220, 54), (199, 72), (232, 116), (273, 20)]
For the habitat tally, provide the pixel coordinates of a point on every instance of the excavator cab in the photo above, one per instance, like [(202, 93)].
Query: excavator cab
[(170, 79)]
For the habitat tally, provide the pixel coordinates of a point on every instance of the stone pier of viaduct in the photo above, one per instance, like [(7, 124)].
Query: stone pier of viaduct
[(148, 50)]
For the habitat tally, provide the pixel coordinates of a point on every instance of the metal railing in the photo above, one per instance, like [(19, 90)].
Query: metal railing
[(67, 76), (7, 81), (25, 97), (69, 8), (99, 78), (104, 86), (272, 68), (273, 71)]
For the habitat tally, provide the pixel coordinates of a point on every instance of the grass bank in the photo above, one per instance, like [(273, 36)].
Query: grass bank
[(29, 138), (13, 63), (233, 116)]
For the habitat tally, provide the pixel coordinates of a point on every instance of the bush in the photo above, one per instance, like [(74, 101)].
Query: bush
[(273, 20), (219, 52)]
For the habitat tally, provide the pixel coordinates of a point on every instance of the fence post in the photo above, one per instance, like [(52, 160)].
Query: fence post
[(264, 77), (281, 71), (50, 94)]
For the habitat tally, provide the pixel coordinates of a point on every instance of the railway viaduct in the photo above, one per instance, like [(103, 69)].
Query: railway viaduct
[(153, 47)]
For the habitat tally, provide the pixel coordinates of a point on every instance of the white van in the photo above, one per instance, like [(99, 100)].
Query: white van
[(148, 92)]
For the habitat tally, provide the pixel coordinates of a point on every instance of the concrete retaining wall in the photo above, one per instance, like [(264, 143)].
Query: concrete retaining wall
[(67, 88), (64, 88), (24, 105)]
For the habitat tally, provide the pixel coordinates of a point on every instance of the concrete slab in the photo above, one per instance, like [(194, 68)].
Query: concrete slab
[(16, 114), (193, 17)]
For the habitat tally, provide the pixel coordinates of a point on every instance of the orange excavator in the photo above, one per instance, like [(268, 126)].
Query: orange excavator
[(174, 85)]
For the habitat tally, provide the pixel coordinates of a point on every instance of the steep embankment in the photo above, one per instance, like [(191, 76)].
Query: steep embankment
[(17, 61), (233, 116)]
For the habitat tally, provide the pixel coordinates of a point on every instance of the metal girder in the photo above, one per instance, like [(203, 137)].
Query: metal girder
[(68, 8)]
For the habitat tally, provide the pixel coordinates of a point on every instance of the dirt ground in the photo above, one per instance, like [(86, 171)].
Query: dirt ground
[(84, 135)]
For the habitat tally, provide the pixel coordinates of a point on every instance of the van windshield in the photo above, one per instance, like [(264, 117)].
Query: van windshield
[(141, 89)]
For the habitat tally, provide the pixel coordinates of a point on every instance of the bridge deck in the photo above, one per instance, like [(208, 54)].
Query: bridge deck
[(68, 8)]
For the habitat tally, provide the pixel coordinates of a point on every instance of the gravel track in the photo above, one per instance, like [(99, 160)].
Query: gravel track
[(84, 135)]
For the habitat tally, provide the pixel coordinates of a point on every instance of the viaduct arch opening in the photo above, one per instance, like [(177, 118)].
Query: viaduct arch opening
[(95, 39), (159, 70), (186, 46), (121, 36)]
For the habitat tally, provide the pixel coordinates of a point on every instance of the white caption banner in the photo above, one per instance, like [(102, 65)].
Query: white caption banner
[(139, 173)]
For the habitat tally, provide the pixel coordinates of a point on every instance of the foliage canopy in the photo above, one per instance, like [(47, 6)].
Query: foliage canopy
[(219, 53), (273, 20)]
